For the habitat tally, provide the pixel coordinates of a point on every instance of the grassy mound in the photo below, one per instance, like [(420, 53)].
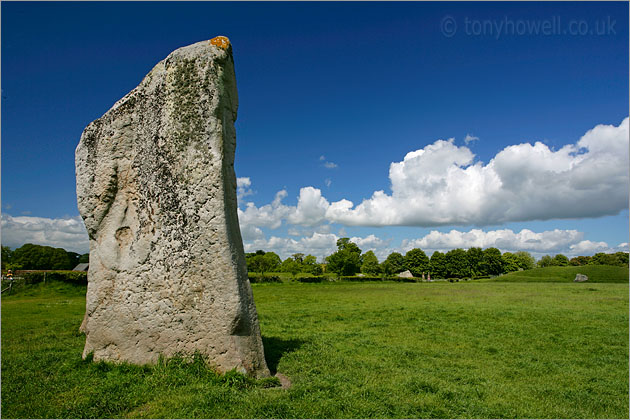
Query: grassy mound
[(595, 273)]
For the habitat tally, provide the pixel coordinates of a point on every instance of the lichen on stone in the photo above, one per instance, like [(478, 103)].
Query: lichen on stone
[(221, 42), (187, 89)]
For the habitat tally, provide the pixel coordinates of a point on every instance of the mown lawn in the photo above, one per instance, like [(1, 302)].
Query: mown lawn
[(352, 350)]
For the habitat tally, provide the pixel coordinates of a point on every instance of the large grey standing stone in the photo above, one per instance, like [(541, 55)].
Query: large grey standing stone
[(157, 191)]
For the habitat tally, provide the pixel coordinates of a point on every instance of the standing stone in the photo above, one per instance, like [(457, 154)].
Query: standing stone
[(580, 278), (157, 191)]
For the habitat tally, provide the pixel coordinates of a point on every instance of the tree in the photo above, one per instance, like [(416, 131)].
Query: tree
[(84, 258), (346, 261), (290, 266), (262, 262), (386, 268), (525, 260), (491, 262), (393, 264), (618, 258), (474, 256), (370, 264), (510, 262), (6, 256), (456, 263), (309, 260), (605, 259), (437, 265), (74, 258), (286, 264), (519, 261), (579, 261), (545, 261), (560, 261), (252, 262), (270, 261), (416, 261), (344, 244), (309, 265), (294, 268), (38, 257), (623, 258), (273, 260), (317, 270)]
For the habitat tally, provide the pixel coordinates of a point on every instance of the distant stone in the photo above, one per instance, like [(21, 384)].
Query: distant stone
[(157, 191), (580, 278), (405, 274)]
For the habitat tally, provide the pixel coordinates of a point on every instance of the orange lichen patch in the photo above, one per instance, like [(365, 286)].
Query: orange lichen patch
[(221, 42)]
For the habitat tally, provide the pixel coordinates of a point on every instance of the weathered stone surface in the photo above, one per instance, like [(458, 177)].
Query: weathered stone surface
[(580, 278), (157, 191), (406, 274)]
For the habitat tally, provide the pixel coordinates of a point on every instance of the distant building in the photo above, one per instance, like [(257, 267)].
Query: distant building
[(81, 267)]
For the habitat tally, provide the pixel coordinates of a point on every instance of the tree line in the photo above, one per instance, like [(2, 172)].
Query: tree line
[(38, 257), (349, 260)]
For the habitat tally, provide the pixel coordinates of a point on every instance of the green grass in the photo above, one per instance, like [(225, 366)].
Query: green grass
[(595, 273), (352, 350)]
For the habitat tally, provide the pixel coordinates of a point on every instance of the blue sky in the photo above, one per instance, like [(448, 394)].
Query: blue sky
[(334, 95)]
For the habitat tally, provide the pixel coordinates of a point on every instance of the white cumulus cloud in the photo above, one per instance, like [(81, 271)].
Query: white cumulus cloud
[(318, 244), (504, 239), (370, 242), (269, 215), (441, 184), (67, 233), (242, 187), (589, 247), (311, 208)]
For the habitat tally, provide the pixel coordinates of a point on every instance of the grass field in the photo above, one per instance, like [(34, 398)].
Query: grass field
[(595, 273), (360, 350)]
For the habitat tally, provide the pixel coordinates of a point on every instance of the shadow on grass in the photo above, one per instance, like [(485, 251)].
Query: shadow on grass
[(275, 348)]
